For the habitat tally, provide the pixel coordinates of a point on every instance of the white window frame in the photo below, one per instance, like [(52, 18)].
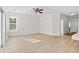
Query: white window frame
[(11, 23)]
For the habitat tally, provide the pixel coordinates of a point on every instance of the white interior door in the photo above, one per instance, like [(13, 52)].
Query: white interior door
[(0, 29), (4, 32)]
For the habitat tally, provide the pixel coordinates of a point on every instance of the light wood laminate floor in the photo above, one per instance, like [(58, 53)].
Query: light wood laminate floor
[(40, 43)]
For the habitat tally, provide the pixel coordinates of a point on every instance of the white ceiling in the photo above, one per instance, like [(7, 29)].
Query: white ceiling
[(47, 9)]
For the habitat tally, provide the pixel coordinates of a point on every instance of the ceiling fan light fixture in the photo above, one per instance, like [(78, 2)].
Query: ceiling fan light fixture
[(38, 10)]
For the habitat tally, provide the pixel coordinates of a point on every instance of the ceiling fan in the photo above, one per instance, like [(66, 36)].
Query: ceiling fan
[(38, 10)]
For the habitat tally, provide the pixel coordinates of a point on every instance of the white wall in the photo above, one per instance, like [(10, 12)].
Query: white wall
[(50, 24), (56, 24), (26, 24), (46, 24)]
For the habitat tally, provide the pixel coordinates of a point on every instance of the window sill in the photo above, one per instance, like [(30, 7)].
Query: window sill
[(12, 30)]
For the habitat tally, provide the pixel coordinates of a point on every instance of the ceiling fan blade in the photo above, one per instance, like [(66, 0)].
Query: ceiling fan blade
[(34, 9), (41, 9), (40, 12)]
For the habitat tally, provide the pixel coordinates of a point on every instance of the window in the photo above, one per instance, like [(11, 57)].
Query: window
[(12, 23)]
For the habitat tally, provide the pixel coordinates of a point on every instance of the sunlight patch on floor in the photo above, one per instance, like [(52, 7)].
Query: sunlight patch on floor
[(33, 40)]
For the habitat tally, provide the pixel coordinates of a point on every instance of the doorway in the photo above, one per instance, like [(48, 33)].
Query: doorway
[(69, 24)]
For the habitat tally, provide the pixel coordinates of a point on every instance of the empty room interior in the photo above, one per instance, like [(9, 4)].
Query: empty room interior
[(39, 29)]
